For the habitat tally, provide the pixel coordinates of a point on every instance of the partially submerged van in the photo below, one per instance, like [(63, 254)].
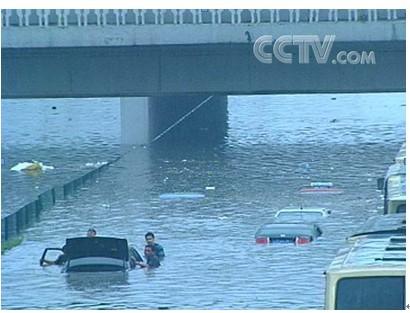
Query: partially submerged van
[(401, 155), (369, 273)]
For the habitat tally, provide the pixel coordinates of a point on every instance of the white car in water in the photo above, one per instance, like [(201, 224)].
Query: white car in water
[(308, 214)]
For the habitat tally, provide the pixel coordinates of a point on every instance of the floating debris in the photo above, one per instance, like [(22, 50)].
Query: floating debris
[(33, 166), (210, 188), (320, 188), (181, 195), (96, 165)]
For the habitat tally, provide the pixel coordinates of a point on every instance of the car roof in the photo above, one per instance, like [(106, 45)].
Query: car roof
[(303, 209), (367, 253), (383, 225)]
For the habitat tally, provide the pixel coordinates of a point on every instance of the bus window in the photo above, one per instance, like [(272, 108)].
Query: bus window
[(371, 293), (401, 208)]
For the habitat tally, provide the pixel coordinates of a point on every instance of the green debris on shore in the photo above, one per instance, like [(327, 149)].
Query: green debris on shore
[(11, 243)]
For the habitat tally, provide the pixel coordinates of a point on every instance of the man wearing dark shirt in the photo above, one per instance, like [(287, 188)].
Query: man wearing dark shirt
[(152, 260), (158, 249)]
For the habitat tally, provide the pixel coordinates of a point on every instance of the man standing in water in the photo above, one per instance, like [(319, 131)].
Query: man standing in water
[(158, 249), (150, 256)]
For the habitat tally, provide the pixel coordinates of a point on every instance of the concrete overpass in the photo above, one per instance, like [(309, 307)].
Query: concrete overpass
[(169, 53)]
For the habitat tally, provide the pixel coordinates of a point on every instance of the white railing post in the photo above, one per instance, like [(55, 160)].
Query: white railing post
[(333, 15), (271, 16), (78, 14), (156, 13), (38, 13), (136, 15), (26, 17), (213, 13), (7, 15), (290, 15), (239, 14), (253, 15), (161, 13), (46, 15), (117, 16), (65, 17), (98, 12), (174, 16), (86, 13), (199, 11), (219, 14), (258, 16), (59, 14), (104, 17), (193, 16), (123, 13), (313, 15), (143, 16), (394, 14), (181, 16), (375, 15)]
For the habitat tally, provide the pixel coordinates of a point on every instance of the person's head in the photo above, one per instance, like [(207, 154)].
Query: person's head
[(91, 232), (150, 238), (149, 250)]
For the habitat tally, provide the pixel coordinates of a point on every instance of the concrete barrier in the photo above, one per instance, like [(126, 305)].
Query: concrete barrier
[(13, 224)]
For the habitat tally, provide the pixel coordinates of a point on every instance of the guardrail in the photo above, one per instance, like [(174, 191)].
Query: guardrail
[(118, 17), (13, 224)]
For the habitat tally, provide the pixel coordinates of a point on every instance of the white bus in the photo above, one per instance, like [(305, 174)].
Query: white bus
[(393, 187), (369, 273), (401, 155)]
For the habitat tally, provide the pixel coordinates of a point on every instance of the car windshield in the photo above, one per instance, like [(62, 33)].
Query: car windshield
[(305, 216)]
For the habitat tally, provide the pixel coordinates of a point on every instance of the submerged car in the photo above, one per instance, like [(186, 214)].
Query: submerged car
[(297, 233), (308, 214), (96, 254), (320, 188)]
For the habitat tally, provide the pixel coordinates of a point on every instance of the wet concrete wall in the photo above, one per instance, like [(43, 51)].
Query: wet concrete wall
[(13, 224)]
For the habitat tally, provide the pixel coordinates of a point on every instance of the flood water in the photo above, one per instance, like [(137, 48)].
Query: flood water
[(274, 146)]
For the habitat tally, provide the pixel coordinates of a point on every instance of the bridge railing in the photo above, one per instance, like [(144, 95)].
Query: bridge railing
[(118, 17)]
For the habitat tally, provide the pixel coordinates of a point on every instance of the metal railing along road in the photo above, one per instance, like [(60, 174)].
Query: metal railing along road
[(118, 17)]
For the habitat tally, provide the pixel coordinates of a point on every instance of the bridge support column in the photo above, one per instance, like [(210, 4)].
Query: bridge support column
[(144, 119), (134, 120)]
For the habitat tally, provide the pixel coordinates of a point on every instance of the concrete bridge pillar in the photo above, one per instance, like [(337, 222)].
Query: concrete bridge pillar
[(134, 120), (174, 119)]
